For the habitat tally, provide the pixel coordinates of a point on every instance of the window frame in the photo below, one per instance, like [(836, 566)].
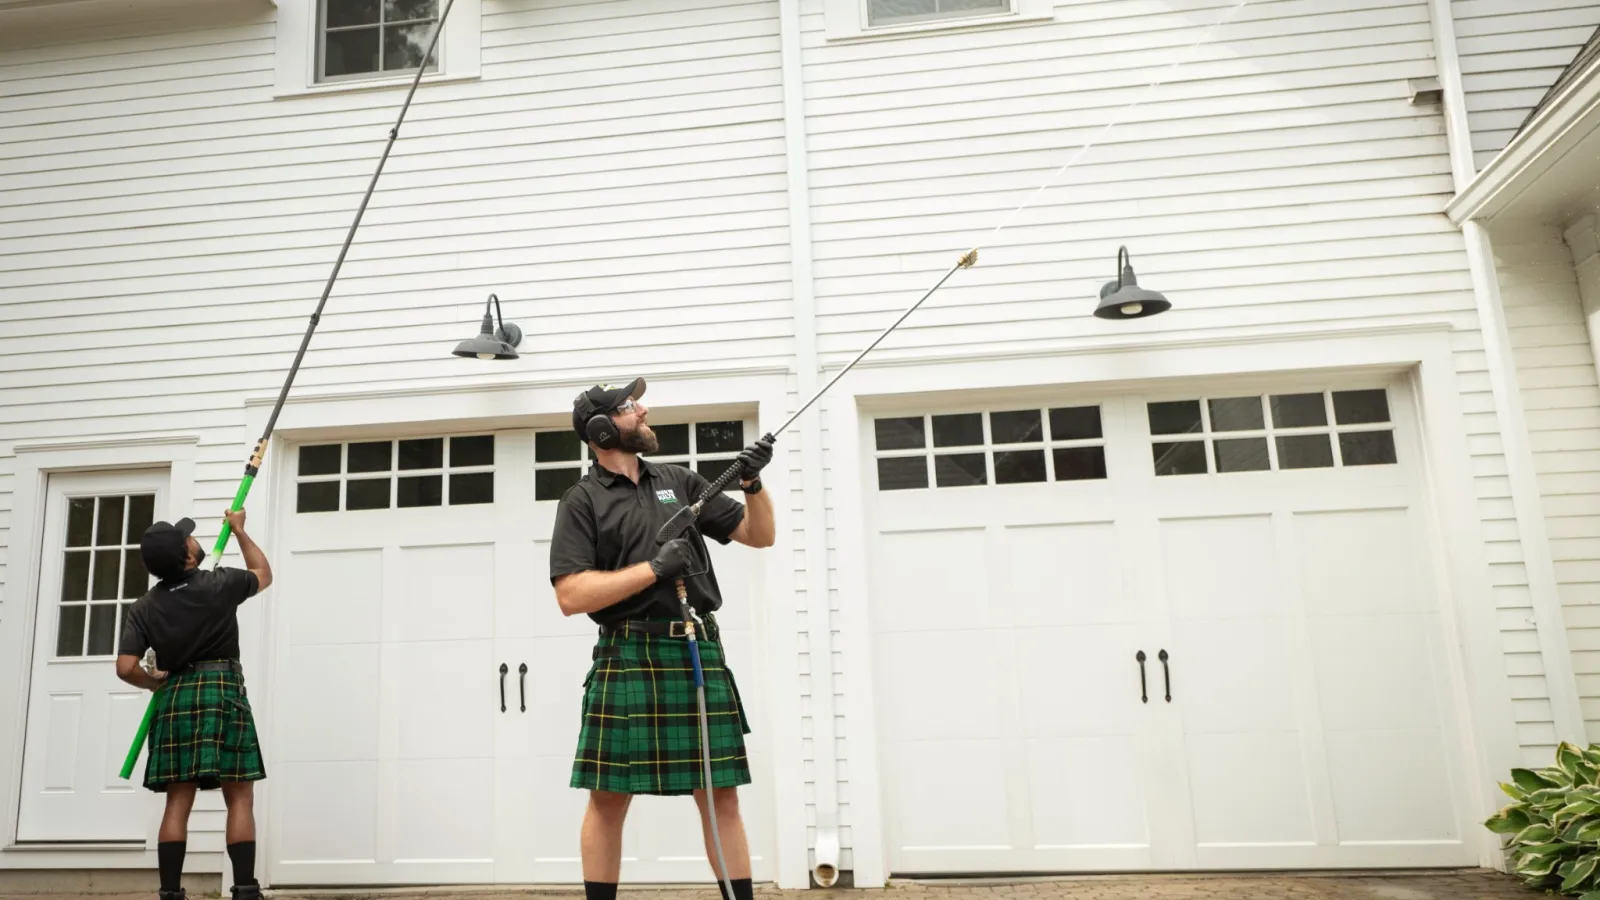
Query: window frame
[(847, 20), (297, 53), (1047, 444), (690, 461), (447, 471), (1270, 431)]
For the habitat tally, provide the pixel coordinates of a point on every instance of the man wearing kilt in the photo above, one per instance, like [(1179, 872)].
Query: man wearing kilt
[(640, 720), (203, 734)]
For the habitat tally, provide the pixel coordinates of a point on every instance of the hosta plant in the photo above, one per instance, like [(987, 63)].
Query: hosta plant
[(1551, 832)]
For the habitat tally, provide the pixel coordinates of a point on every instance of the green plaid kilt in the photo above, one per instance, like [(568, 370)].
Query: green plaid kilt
[(203, 733), (641, 721)]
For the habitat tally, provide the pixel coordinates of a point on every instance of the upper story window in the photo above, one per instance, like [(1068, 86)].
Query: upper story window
[(845, 19), (361, 38), (329, 46), (907, 12)]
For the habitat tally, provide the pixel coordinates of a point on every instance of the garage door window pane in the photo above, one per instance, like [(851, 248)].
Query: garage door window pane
[(1298, 411), (422, 490), (427, 453), (1076, 423), (1242, 455), (1182, 458), (711, 469), (899, 434), (959, 470), (368, 493), (372, 456), (1020, 427), (1360, 407), (550, 484), (556, 446), (674, 440), (478, 450), (1237, 414), (1079, 463), (1370, 448), (1018, 466), (718, 437), (317, 496), (1305, 451), (322, 459), (471, 487), (902, 473), (1178, 417), (963, 430)]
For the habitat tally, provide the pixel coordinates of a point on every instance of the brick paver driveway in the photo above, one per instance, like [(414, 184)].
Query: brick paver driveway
[(1470, 885)]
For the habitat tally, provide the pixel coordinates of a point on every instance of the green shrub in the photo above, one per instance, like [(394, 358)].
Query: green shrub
[(1551, 833)]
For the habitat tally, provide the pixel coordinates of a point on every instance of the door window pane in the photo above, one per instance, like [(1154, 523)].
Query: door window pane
[(718, 437), (420, 490), (905, 433), (478, 450), (371, 456), (141, 513), (422, 453), (69, 634), (367, 493), (674, 440), (556, 446), (1018, 466), (1298, 411), (1237, 414), (550, 484), (317, 496), (1076, 423), (1360, 407), (1242, 455), (1176, 417), (75, 576), (321, 459), (1181, 458), (1079, 463), (108, 528), (1019, 427), (959, 469), (962, 430), (902, 473), (102, 629), (107, 574), (1305, 451), (80, 521), (471, 487), (1369, 448), (712, 469), (135, 579)]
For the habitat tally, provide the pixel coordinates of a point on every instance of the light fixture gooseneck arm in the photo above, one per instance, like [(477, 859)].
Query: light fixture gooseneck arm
[(1124, 265)]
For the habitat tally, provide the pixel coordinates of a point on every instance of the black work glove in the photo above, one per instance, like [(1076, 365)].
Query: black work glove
[(755, 457), (673, 559)]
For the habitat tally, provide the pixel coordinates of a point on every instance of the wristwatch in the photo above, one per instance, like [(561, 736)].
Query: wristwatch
[(753, 487)]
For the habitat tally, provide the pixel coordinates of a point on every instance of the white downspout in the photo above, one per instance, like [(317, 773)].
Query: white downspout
[(819, 619), (1560, 679)]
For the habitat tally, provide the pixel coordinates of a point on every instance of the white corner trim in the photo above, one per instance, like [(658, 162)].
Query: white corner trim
[(1569, 118), (847, 20), (460, 52)]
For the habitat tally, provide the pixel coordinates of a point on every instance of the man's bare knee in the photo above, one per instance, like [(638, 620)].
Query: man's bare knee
[(236, 793), (609, 804), (727, 801)]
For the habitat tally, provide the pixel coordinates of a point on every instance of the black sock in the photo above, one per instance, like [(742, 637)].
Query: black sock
[(169, 856), (742, 889), (243, 855), (599, 890)]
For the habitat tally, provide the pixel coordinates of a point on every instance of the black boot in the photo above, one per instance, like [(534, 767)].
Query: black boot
[(245, 892), (179, 894)]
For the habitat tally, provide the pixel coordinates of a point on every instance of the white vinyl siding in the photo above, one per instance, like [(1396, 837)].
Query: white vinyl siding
[(1512, 51), (1556, 374)]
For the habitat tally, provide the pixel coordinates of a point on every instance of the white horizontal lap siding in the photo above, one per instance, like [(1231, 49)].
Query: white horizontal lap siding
[(1512, 51), (1556, 372), (167, 226)]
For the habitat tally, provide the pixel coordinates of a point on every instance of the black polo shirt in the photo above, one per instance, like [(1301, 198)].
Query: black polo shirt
[(190, 618), (606, 522)]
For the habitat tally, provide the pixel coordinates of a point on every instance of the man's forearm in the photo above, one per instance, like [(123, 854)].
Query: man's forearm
[(253, 557), (587, 592), (758, 512), (129, 670)]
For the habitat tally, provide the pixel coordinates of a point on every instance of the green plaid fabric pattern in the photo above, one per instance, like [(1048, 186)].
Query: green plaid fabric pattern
[(641, 722), (203, 732)]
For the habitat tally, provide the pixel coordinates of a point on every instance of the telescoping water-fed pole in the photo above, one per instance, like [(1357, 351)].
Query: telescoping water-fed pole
[(684, 521), (253, 466)]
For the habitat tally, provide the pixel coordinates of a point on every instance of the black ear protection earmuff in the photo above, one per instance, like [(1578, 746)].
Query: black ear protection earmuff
[(603, 432)]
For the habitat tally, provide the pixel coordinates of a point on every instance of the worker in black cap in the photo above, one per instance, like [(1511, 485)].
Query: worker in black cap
[(203, 734), (639, 732)]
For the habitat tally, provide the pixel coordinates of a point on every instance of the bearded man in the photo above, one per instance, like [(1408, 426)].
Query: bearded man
[(640, 731)]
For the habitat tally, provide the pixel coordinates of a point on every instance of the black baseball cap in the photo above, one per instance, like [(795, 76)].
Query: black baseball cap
[(602, 398), (165, 547)]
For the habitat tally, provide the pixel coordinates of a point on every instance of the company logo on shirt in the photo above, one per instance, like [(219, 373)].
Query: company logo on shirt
[(666, 495)]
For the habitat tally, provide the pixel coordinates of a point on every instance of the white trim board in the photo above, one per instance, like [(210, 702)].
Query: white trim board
[(34, 464), (1482, 686)]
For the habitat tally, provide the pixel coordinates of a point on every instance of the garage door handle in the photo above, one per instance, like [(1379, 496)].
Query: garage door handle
[(503, 670), (1166, 674), (1144, 695), (522, 685)]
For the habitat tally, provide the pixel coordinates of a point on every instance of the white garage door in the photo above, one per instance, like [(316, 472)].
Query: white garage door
[(414, 591), (1161, 632)]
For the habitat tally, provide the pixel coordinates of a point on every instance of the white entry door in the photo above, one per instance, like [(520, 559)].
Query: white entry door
[(409, 745), (1162, 632), (81, 717)]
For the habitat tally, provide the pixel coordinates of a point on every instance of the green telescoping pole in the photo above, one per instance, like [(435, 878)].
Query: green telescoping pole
[(253, 467)]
